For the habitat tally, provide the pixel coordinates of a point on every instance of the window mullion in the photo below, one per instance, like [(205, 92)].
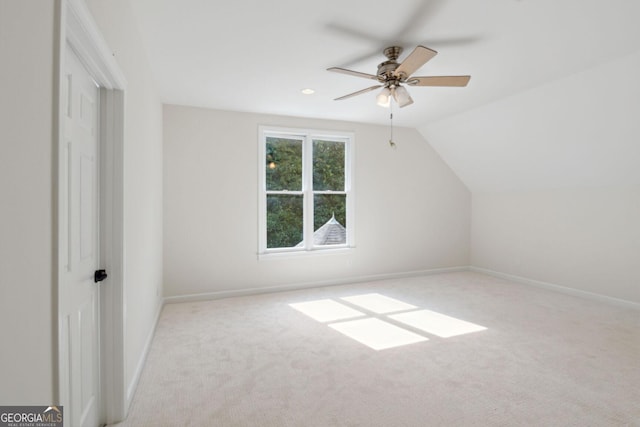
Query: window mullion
[(330, 192), (284, 192), (307, 171)]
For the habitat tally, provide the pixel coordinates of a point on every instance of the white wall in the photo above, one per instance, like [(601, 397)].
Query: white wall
[(27, 325), (555, 179), (587, 239), (412, 212), (143, 179)]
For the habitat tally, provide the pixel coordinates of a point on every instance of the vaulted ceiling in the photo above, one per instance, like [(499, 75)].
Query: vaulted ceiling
[(257, 56)]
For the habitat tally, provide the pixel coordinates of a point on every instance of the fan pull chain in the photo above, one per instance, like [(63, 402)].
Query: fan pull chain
[(391, 143)]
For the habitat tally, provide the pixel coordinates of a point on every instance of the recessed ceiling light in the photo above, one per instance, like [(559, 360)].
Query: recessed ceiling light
[(308, 91)]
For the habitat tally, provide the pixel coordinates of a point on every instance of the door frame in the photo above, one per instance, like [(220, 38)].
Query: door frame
[(78, 29)]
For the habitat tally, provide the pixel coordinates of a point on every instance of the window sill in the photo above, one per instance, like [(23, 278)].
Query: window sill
[(283, 255)]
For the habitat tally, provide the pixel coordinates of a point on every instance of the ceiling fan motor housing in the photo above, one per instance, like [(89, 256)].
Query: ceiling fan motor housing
[(392, 52), (386, 70)]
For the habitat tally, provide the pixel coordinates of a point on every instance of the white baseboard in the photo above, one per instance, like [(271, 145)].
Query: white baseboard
[(131, 388), (359, 279), (558, 288), (298, 286)]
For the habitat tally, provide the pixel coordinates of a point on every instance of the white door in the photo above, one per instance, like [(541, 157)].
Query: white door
[(79, 247)]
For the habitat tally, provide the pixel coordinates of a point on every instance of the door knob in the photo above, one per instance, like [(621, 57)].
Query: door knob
[(99, 275)]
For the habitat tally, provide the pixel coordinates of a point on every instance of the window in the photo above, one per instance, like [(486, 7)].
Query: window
[(305, 190)]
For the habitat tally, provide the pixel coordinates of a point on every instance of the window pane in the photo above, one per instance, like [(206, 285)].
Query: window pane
[(284, 220), (284, 164), (330, 219), (328, 165)]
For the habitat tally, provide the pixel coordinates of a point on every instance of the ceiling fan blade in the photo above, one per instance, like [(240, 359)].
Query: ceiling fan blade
[(454, 41), (450, 81), (417, 20), (352, 73), (415, 60), (360, 92), (419, 17), (355, 33)]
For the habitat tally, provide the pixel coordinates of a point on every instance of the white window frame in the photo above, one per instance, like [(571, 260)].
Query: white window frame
[(307, 136)]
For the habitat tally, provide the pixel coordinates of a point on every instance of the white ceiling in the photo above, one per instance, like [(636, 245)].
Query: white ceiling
[(257, 55)]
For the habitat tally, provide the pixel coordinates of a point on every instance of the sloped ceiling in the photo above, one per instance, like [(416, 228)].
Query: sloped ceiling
[(579, 131), (257, 55), (552, 99)]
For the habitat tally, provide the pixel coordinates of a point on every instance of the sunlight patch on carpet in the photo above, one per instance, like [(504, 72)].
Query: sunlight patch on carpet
[(437, 323), (377, 303), (378, 328), (377, 334), (326, 310)]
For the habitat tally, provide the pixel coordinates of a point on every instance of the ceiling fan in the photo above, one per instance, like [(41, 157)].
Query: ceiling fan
[(391, 75)]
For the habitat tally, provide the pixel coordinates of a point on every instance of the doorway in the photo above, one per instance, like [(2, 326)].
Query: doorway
[(79, 247), (90, 356)]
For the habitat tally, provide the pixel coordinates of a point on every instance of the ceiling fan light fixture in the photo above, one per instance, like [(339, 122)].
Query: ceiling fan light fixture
[(384, 97), (401, 96)]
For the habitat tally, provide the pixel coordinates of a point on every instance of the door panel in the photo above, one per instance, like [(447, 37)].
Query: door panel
[(79, 302), (87, 207)]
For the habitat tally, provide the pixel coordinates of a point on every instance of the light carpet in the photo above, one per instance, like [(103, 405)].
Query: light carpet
[(544, 359)]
